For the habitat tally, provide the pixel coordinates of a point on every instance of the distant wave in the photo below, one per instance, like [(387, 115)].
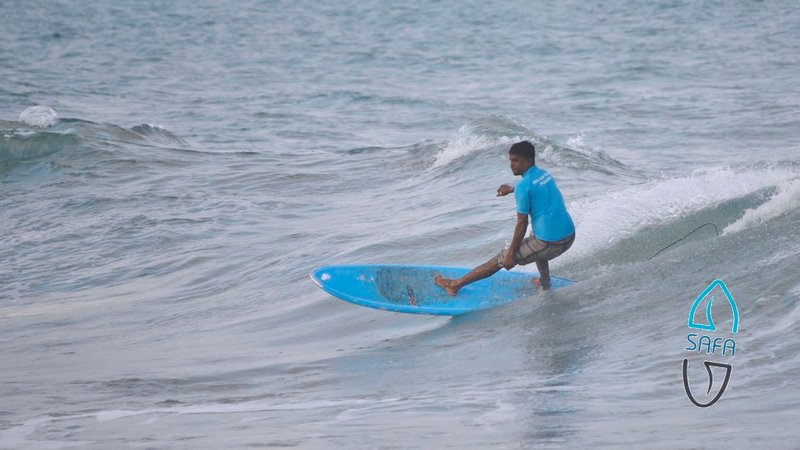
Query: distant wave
[(481, 135), (39, 134), (494, 134), (22, 144)]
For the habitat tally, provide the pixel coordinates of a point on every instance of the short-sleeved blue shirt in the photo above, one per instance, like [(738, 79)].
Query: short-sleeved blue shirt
[(538, 196)]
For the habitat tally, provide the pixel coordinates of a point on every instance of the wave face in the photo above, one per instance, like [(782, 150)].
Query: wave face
[(170, 176)]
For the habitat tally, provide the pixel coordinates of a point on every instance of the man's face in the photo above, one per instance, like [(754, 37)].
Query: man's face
[(519, 164)]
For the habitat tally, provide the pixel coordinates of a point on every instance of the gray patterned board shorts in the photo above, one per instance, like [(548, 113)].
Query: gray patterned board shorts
[(532, 250)]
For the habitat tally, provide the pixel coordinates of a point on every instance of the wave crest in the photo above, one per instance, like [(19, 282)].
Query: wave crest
[(39, 116), (786, 198), (40, 134), (492, 135)]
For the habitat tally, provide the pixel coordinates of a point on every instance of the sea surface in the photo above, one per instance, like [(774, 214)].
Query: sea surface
[(186, 164)]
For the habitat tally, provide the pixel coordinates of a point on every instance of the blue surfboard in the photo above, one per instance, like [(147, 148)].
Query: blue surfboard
[(411, 289)]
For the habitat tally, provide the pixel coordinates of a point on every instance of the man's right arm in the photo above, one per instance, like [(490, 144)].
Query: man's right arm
[(505, 189)]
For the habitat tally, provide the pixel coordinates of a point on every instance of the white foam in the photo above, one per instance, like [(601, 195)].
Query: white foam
[(466, 142), (39, 116), (786, 198), (605, 220), (576, 142)]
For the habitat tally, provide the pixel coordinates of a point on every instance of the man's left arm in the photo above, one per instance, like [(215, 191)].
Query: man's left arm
[(519, 234)]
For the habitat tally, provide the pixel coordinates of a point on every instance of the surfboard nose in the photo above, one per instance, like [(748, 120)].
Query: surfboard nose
[(319, 276)]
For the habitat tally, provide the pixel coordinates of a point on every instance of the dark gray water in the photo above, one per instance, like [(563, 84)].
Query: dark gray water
[(200, 159)]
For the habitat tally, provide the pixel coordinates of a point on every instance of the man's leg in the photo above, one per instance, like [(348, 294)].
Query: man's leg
[(542, 257), (485, 270), (544, 275)]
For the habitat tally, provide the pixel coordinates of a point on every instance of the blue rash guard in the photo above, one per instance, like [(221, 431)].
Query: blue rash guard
[(538, 196)]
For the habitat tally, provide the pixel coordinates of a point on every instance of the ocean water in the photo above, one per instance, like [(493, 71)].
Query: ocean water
[(189, 163)]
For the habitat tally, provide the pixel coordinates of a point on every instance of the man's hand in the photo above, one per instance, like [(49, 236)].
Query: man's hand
[(508, 263), (504, 189)]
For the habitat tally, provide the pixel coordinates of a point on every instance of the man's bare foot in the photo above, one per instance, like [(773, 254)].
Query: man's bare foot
[(446, 284), (538, 283)]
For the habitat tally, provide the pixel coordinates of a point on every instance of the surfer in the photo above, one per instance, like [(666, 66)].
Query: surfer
[(553, 233)]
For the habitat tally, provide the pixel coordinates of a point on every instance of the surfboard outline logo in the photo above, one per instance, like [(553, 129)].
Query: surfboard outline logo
[(711, 326)]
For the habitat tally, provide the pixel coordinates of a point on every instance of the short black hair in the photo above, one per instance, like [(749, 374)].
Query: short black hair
[(524, 149)]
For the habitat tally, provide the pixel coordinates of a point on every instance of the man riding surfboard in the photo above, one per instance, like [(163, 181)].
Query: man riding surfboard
[(553, 231)]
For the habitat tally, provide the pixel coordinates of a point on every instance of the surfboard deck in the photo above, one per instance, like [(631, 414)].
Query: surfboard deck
[(411, 289)]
